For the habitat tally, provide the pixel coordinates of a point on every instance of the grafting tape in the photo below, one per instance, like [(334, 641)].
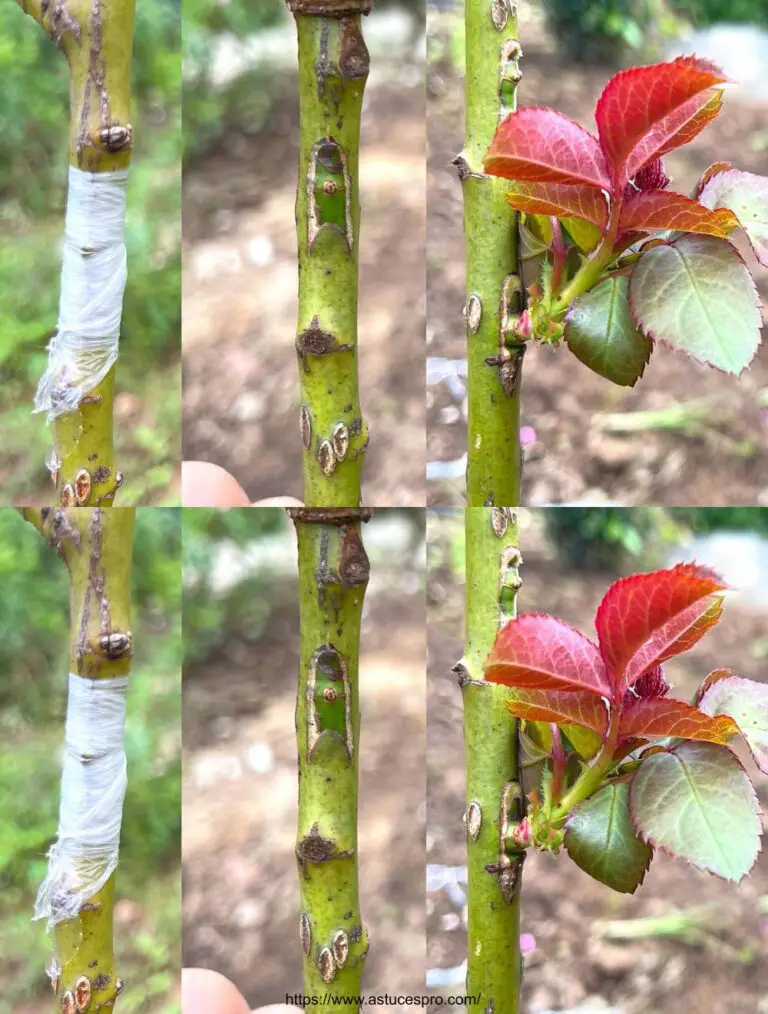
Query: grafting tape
[(93, 783), (93, 276)]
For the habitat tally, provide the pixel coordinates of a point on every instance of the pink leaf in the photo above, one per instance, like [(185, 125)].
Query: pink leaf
[(662, 210), (646, 619), (540, 145), (646, 111), (543, 653), (560, 200), (664, 716), (561, 707)]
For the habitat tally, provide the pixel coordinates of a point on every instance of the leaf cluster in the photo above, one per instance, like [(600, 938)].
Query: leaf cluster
[(626, 261), (628, 769)]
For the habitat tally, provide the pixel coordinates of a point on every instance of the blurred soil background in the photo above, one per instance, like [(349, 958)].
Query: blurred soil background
[(685, 434), (241, 898), (240, 272), (34, 643), (34, 117), (685, 940)]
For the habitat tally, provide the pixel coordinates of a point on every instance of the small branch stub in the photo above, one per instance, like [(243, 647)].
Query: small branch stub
[(305, 933), (499, 14), (473, 820), (116, 645), (326, 457), (305, 425), (82, 993), (473, 313), (499, 521), (327, 965), (340, 441), (340, 945), (116, 137), (82, 487)]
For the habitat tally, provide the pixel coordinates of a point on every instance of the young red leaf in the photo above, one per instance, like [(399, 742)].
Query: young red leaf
[(654, 210), (540, 145), (646, 111), (746, 195), (601, 334), (600, 839), (646, 619), (543, 653), (710, 308), (696, 124), (561, 708), (746, 703), (709, 679), (696, 802), (664, 716), (560, 200), (713, 170)]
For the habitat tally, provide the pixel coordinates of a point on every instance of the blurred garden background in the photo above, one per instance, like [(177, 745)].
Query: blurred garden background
[(241, 392), (685, 434), (241, 893), (685, 940), (34, 114), (34, 639)]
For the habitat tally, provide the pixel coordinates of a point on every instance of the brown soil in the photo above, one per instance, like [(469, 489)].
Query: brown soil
[(240, 376), (240, 882), (719, 456), (726, 969)]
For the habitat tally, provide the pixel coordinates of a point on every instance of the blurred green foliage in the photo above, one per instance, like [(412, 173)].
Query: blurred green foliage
[(709, 12), (599, 30), (34, 114), (210, 108), (609, 538), (34, 616), (240, 609)]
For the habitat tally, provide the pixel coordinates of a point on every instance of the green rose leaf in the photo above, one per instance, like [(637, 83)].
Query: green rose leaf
[(746, 702), (600, 332), (600, 839), (746, 195), (696, 802), (697, 295)]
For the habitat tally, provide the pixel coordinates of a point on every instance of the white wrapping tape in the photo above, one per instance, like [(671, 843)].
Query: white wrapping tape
[(93, 784), (93, 276)]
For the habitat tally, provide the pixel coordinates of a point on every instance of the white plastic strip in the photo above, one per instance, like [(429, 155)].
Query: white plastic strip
[(93, 276), (93, 784)]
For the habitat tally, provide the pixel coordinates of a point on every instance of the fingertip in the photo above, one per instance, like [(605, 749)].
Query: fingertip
[(207, 992), (204, 484)]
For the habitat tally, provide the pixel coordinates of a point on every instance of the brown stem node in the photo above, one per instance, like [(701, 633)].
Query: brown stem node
[(330, 8)]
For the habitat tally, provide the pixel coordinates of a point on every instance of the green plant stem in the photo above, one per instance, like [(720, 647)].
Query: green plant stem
[(592, 268), (592, 776), (333, 575), (333, 69), (492, 773), (96, 37), (494, 290), (96, 546)]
